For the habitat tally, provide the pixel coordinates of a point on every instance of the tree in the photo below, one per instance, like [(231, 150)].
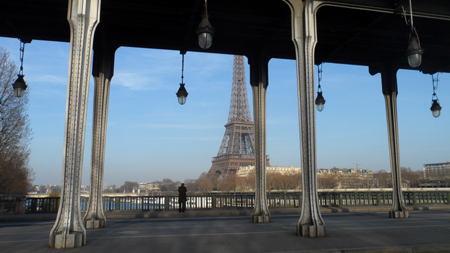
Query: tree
[(411, 178), (270, 181), (128, 186), (42, 189), (204, 185), (15, 133), (190, 184), (168, 184), (111, 189), (297, 177), (250, 180), (384, 179), (327, 181), (230, 183)]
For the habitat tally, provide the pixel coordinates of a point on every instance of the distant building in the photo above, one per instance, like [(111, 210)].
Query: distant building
[(245, 170), (432, 170), (323, 171), (85, 189), (148, 187), (52, 188), (344, 171), (364, 171)]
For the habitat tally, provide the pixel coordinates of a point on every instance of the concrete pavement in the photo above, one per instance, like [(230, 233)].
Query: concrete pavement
[(426, 231)]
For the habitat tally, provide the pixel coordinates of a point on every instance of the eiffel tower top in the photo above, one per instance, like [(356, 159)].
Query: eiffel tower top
[(239, 107)]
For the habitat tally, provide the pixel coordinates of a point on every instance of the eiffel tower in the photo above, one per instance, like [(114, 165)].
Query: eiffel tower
[(238, 143)]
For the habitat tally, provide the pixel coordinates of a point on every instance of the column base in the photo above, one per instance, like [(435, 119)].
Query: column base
[(72, 240), (311, 231), (95, 223), (260, 218), (399, 214)]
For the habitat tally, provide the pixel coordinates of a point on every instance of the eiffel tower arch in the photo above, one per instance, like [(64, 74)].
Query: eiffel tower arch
[(238, 143)]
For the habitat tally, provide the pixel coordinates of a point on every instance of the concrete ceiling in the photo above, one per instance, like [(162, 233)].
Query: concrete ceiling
[(347, 31)]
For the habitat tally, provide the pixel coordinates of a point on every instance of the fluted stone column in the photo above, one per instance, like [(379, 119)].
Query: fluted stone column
[(389, 84), (83, 17), (304, 37), (259, 82), (103, 70)]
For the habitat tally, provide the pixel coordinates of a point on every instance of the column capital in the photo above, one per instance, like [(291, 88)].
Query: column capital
[(388, 71), (104, 53), (259, 68)]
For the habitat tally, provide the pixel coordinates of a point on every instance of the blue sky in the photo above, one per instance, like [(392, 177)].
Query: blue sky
[(151, 137)]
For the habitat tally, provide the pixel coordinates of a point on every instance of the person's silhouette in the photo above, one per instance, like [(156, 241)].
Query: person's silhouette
[(182, 198)]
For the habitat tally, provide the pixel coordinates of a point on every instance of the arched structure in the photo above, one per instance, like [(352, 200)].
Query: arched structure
[(363, 32)]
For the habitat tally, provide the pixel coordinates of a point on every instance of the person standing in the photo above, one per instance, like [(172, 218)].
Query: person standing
[(182, 198)]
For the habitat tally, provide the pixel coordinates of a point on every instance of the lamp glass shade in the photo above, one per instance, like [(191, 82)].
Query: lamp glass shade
[(182, 100), (205, 33), (436, 108), (414, 60), (205, 40), (182, 94), (19, 92), (436, 113), (320, 102), (19, 86), (414, 53), (320, 107)]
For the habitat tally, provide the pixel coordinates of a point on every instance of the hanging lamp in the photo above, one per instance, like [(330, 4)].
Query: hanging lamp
[(320, 101), (182, 93), (19, 85)]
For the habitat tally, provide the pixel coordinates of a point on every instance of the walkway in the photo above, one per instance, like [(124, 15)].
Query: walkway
[(425, 231)]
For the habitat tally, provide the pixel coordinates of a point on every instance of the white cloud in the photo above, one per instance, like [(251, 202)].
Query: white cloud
[(48, 79), (137, 81)]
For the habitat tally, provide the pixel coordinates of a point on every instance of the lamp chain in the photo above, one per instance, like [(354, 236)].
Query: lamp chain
[(206, 11), (435, 85), (411, 21), (319, 70), (22, 51), (182, 68), (411, 15)]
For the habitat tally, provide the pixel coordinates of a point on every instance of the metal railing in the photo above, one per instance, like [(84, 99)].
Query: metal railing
[(216, 201), (42, 205)]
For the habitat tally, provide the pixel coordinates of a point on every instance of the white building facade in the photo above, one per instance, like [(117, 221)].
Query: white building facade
[(436, 169), (244, 171)]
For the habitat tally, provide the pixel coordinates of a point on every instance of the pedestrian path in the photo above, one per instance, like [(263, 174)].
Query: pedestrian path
[(425, 231)]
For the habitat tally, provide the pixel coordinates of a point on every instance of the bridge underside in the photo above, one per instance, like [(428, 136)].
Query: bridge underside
[(346, 34)]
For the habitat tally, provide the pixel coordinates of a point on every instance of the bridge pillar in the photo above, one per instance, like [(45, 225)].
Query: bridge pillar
[(389, 84), (259, 81), (304, 36), (103, 71), (83, 17)]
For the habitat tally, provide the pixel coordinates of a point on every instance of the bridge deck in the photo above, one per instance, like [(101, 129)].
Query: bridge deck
[(425, 231)]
